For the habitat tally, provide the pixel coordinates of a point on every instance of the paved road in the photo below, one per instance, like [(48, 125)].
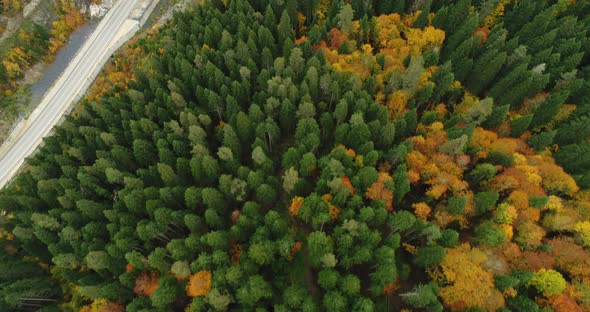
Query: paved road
[(69, 86)]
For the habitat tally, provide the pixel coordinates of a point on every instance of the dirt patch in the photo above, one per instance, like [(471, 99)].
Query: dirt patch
[(33, 74), (30, 7), (12, 26)]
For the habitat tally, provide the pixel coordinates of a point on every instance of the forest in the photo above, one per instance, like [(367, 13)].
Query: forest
[(322, 155)]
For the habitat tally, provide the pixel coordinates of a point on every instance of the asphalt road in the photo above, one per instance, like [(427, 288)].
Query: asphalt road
[(67, 89)]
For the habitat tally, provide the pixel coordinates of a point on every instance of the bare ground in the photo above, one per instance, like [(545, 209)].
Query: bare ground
[(12, 26)]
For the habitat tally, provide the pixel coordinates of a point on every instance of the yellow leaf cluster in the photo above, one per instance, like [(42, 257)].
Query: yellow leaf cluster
[(332, 209), (102, 305), (555, 179), (554, 203), (421, 210), (498, 11), (508, 230), (15, 61), (505, 214), (422, 40), (396, 105), (468, 284), (70, 19), (394, 40), (582, 230), (12, 6)]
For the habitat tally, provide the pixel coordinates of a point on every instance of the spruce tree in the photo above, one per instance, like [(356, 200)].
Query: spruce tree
[(520, 125), (573, 131), (485, 70), (549, 108)]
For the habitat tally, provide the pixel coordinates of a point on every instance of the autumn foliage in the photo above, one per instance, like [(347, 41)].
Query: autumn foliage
[(102, 305), (146, 283), (321, 156), (379, 191), (199, 284), (70, 20), (467, 283)]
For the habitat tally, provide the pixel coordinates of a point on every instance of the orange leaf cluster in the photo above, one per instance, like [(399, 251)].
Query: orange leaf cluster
[(421, 210), (146, 283), (295, 249), (346, 182), (235, 253), (199, 284), (336, 38), (564, 303), (332, 210), (300, 40), (482, 33), (535, 260), (350, 152), (427, 164), (571, 258), (117, 74), (378, 191), (296, 204), (391, 288)]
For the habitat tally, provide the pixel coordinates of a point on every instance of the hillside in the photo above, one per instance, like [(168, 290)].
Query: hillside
[(319, 156)]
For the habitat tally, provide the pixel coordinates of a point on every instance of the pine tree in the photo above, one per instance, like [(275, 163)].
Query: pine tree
[(542, 140), (573, 131), (443, 79), (457, 15), (548, 109), (519, 75), (520, 125), (463, 33), (537, 27), (284, 28), (485, 70), (574, 158), (422, 19), (462, 58)]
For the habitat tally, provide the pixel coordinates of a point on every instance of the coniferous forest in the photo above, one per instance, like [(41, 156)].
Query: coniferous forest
[(344, 155)]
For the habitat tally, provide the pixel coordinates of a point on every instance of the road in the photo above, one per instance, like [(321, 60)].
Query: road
[(67, 89)]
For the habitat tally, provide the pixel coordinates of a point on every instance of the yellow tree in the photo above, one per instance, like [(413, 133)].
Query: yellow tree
[(582, 230), (465, 284), (199, 284)]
